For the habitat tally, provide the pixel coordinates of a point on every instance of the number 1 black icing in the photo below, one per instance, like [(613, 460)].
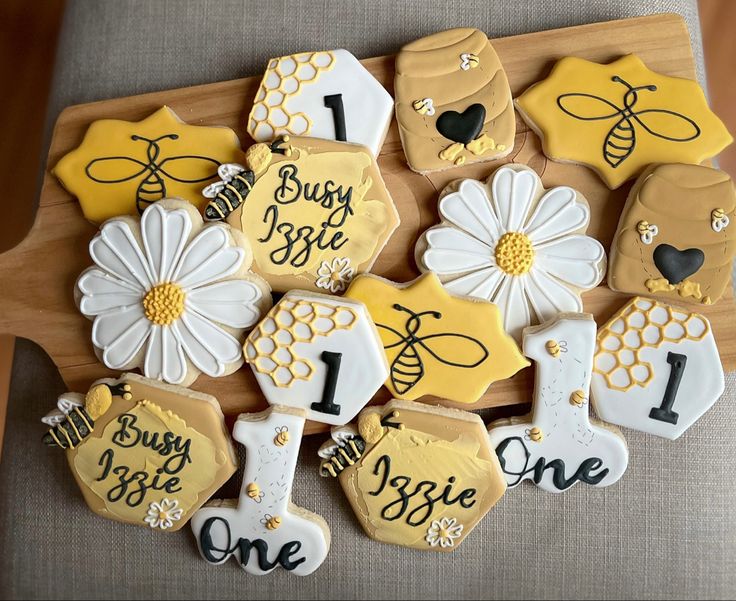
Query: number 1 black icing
[(334, 102), (664, 412), (327, 405)]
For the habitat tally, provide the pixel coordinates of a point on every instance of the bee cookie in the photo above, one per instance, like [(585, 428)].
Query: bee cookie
[(620, 117), (510, 241), (453, 101), (327, 95), (121, 167), (317, 353), (559, 445), (170, 295), (415, 475), (436, 343), (676, 239), (317, 211), (263, 530), (143, 452), (657, 368)]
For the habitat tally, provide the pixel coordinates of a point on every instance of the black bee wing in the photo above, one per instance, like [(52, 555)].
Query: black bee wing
[(668, 125), (189, 169), (106, 170), (401, 339), (587, 107), (445, 347)]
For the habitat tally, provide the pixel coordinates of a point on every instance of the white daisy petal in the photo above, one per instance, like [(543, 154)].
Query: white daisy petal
[(482, 283), (453, 251), (513, 193), (231, 302), (550, 297), (208, 346), (164, 357), (116, 251), (470, 209), (120, 335), (102, 292), (164, 233), (577, 260), (106, 328), (208, 258), (511, 300), (557, 214)]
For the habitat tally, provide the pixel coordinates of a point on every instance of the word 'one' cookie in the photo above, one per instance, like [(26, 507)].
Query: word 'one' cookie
[(676, 239), (453, 101), (170, 295), (620, 117), (318, 353), (123, 166), (512, 242), (143, 452), (437, 343), (327, 95), (559, 445), (317, 211), (657, 368), (415, 475)]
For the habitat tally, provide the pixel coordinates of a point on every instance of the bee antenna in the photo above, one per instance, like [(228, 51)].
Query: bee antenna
[(620, 80)]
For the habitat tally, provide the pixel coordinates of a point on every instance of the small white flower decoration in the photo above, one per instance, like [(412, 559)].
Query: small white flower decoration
[(163, 288), (335, 276), (511, 242), (163, 515), (443, 532)]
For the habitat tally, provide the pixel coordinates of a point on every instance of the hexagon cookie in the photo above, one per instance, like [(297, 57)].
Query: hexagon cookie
[(318, 353), (143, 452), (326, 95), (657, 368), (415, 475)]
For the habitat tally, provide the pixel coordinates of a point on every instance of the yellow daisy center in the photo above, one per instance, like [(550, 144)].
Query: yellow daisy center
[(164, 304), (514, 253)]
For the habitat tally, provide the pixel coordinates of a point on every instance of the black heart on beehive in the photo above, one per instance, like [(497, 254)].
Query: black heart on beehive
[(462, 127), (676, 265)]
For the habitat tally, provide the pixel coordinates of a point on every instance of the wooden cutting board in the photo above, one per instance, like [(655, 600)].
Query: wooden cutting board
[(38, 276)]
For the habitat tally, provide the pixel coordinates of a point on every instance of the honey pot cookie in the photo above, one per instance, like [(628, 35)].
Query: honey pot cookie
[(121, 167), (676, 239), (620, 117), (143, 452), (453, 101)]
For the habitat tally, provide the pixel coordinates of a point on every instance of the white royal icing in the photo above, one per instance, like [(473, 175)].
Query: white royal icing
[(461, 250), (65, 404), (202, 263), (657, 368), (335, 275), (560, 446), (291, 100)]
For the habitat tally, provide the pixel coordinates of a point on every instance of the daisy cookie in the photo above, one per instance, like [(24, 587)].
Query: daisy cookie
[(170, 295), (512, 242)]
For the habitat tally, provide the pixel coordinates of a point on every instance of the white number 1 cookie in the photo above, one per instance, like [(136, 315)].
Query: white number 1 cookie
[(560, 446)]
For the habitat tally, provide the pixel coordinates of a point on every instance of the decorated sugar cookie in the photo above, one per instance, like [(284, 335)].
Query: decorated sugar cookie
[(170, 295), (559, 445), (326, 95), (317, 211), (510, 241), (437, 343), (453, 101), (121, 167), (676, 239), (620, 117), (415, 475), (143, 452), (318, 353), (657, 368)]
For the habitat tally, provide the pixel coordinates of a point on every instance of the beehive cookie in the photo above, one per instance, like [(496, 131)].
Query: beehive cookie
[(676, 239), (453, 101)]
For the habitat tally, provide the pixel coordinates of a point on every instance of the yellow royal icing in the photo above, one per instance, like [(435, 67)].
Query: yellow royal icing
[(620, 117), (122, 166)]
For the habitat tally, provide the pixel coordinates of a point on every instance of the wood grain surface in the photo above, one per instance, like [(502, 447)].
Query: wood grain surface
[(38, 276)]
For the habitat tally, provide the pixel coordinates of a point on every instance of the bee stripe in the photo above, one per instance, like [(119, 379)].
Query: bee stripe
[(618, 147), (331, 470), (52, 432), (225, 200), (235, 191), (244, 181), (83, 417), (69, 442), (337, 464), (216, 207), (355, 449), (344, 454), (70, 421)]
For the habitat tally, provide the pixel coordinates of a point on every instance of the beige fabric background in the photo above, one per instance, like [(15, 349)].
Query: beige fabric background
[(666, 530)]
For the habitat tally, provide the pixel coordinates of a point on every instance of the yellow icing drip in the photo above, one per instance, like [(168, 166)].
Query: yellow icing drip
[(482, 144), (164, 304), (659, 285), (689, 288), (514, 253), (452, 151), (684, 289)]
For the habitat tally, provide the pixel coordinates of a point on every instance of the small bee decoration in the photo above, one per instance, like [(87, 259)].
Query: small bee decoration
[(282, 436), (554, 347), (719, 220), (271, 522), (534, 434), (254, 492), (469, 61), (69, 431), (577, 398), (237, 181), (647, 231), (424, 106)]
